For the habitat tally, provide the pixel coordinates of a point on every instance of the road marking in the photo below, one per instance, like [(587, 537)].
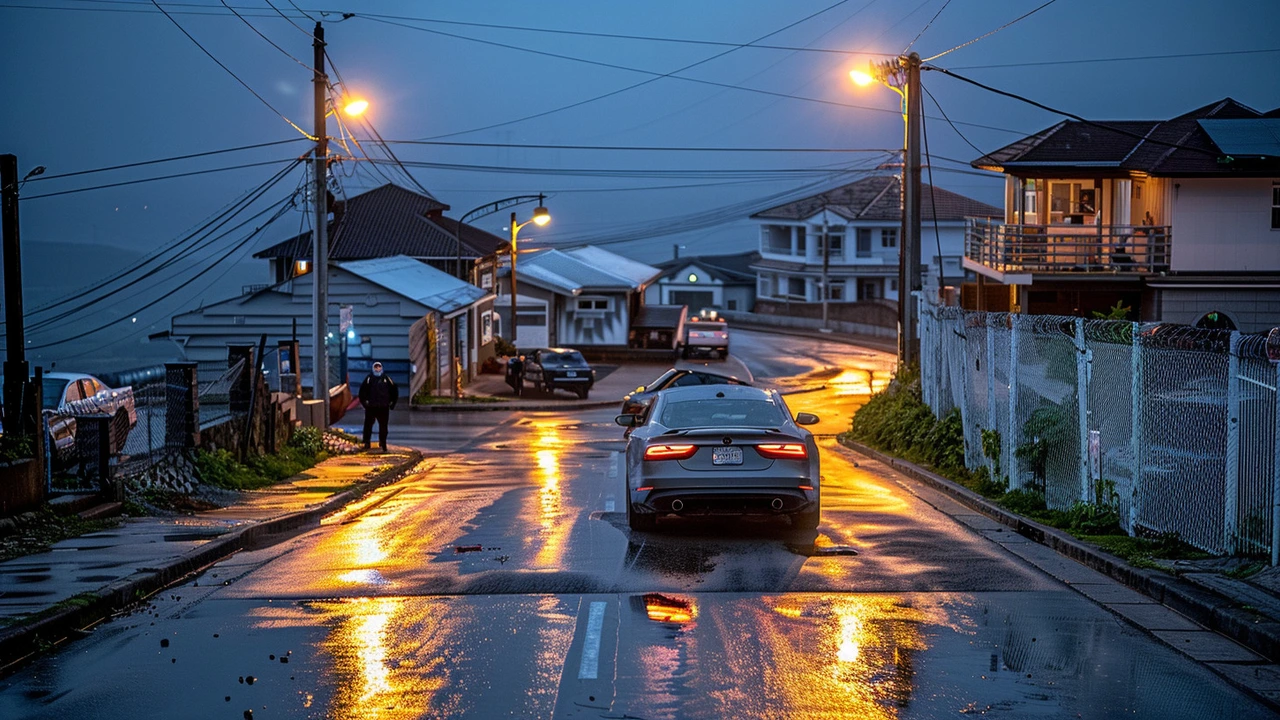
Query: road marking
[(613, 466), (609, 505), (591, 644)]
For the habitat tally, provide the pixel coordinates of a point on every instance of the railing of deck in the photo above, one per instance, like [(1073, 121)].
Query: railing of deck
[(1016, 248)]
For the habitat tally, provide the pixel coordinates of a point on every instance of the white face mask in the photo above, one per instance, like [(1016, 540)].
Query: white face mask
[(377, 373)]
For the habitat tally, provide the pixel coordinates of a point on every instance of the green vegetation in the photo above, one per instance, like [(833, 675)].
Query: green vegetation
[(38, 531), (221, 469), (426, 399), (1119, 311), (897, 421), (16, 447)]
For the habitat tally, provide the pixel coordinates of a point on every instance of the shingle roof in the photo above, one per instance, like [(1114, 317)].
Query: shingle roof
[(878, 198), (386, 221), (1179, 146)]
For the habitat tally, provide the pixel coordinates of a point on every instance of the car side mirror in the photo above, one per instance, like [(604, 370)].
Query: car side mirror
[(806, 419), (627, 420)]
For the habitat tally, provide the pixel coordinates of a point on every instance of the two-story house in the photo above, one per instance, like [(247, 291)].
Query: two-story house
[(855, 231), (1177, 219)]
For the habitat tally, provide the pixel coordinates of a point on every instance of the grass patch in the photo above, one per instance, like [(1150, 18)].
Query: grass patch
[(1143, 552), (464, 400), (81, 600), (38, 532), (221, 469)]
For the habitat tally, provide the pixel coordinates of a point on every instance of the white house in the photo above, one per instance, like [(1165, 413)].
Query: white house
[(855, 231), (1177, 219), (724, 282)]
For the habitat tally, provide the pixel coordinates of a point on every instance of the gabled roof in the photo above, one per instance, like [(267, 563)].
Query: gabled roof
[(1177, 147), (386, 221), (417, 281), (574, 271), (725, 268), (878, 198)]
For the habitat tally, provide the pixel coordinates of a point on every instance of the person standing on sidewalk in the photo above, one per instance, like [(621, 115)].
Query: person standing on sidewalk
[(378, 396)]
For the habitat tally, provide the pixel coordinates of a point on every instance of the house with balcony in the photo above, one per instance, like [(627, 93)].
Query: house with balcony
[(854, 232), (1177, 219)]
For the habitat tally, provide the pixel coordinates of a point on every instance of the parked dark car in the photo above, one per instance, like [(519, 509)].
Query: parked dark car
[(636, 402), (550, 369)]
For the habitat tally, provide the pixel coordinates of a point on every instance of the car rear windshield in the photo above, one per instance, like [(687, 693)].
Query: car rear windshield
[(721, 413), (52, 389), (708, 326), (572, 357)]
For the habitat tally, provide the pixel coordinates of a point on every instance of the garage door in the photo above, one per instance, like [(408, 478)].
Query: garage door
[(694, 299)]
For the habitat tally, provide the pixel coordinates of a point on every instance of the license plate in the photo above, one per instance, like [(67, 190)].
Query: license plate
[(571, 373), (726, 456)]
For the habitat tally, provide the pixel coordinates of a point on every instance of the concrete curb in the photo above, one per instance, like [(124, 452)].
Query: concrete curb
[(22, 640), (1203, 605), (513, 405)]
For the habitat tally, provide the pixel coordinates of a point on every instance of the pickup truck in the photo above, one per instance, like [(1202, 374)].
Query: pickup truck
[(67, 395)]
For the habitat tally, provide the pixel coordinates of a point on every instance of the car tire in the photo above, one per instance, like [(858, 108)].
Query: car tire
[(641, 521), (806, 520), (583, 393), (684, 353)]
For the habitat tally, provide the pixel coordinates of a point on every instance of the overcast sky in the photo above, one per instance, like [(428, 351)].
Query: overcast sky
[(105, 83)]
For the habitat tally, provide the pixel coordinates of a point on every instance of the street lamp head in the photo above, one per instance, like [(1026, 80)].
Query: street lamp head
[(541, 216), (860, 78), (355, 107)]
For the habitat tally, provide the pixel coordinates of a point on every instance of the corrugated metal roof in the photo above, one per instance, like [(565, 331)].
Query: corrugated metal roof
[(615, 264), (878, 198), (658, 316), (417, 281), (572, 274)]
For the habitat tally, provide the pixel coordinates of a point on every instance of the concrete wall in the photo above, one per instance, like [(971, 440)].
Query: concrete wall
[(1223, 225), (1251, 310), (788, 321)]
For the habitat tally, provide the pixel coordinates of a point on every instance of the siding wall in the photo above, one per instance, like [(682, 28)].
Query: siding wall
[(1251, 310), (1223, 225)]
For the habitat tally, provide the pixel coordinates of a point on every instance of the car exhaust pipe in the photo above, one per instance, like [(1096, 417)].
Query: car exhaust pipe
[(677, 505), (777, 503)]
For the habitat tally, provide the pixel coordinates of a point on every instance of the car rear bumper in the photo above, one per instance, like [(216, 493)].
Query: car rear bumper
[(760, 500)]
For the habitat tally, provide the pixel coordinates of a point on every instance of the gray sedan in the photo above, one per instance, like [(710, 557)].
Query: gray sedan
[(721, 450)]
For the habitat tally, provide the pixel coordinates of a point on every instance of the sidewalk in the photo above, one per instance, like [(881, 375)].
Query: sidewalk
[(47, 597), (1245, 610)]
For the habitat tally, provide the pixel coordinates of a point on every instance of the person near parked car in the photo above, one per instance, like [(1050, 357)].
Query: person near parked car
[(378, 396), (515, 374)]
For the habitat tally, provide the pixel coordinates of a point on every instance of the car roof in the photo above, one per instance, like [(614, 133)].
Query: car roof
[(713, 392), (68, 376), (704, 371)]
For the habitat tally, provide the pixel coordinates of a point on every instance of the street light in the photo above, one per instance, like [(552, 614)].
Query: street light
[(902, 75), (540, 217)]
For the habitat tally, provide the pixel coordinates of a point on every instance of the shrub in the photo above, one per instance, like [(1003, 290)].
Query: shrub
[(309, 440), (16, 447), (221, 469)]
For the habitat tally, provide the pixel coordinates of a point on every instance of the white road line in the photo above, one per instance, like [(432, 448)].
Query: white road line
[(609, 505), (591, 644)]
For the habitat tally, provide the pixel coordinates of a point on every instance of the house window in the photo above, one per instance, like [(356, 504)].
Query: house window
[(889, 238), (589, 304), (801, 241), (835, 290), (301, 267), (795, 287), (893, 285), (864, 242), (836, 240), (1275, 206), (733, 304), (868, 289)]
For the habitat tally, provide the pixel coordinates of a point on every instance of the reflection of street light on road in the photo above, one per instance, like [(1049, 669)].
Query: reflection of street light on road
[(902, 75), (540, 217)]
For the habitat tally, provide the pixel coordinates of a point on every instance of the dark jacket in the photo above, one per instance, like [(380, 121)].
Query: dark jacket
[(378, 391)]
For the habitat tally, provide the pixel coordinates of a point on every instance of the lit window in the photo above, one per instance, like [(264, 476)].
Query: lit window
[(301, 267)]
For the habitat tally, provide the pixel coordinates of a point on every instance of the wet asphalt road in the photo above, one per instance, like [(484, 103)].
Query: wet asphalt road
[(501, 581)]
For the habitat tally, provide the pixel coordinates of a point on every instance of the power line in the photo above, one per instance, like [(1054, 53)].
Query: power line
[(948, 119), (190, 156), (656, 77), (639, 148), (993, 32), (1173, 56), (264, 37), (154, 179), (711, 173), (1073, 116), (926, 27), (228, 70)]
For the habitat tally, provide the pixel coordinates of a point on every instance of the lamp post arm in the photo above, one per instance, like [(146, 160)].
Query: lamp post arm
[(487, 209)]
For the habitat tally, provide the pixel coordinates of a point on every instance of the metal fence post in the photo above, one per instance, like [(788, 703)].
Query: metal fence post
[(990, 344), (1007, 457), (1231, 491), (182, 406), (1135, 426), (1082, 404), (1275, 480)]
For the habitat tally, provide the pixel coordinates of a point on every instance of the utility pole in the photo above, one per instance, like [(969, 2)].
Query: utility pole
[(515, 230), (826, 267), (320, 253), (909, 288), (15, 364)]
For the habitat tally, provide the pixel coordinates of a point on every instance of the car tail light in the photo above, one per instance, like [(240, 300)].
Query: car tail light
[(783, 451), (669, 452)]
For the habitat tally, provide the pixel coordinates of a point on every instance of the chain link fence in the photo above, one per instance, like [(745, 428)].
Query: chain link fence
[(1173, 426)]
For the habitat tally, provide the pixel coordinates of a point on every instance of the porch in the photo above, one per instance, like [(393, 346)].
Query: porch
[(999, 250)]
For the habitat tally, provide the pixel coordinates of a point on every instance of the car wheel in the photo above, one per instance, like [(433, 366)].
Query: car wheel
[(684, 353), (806, 520), (641, 521), (583, 393)]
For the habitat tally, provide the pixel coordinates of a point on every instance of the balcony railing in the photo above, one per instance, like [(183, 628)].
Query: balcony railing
[(1067, 248)]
